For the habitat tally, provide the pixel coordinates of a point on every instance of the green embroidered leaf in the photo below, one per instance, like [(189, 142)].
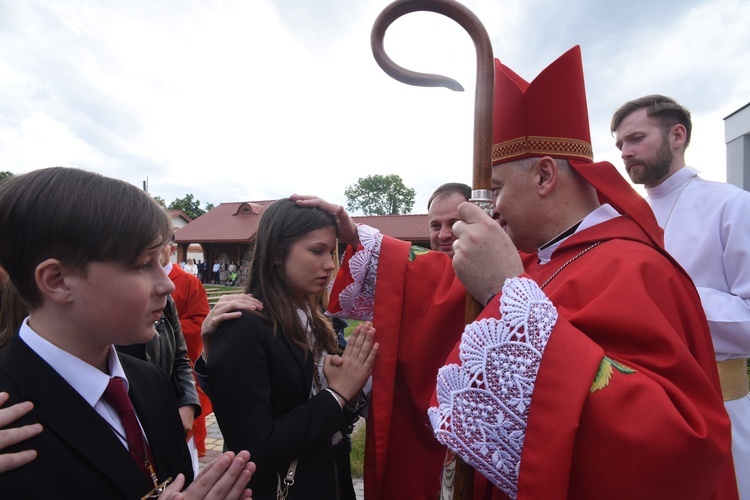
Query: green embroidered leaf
[(604, 373), (622, 368), (415, 250)]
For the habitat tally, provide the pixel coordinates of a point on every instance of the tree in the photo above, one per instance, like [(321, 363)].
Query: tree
[(190, 206), (160, 201), (5, 174), (380, 195)]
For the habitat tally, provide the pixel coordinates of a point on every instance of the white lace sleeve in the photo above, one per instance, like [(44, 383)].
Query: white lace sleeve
[(357, 300), (484, 403)]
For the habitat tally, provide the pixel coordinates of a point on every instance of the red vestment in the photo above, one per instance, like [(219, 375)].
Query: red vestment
[(419, 317), (659, 432), (192, 308)]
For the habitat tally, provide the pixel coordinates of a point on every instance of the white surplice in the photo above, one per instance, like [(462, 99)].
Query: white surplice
[(707, 229)]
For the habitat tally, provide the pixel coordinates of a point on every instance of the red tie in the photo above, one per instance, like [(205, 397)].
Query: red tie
[(116, 395)]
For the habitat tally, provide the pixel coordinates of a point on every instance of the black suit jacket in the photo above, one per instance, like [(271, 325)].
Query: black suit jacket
[(259, 384), (79, 456)]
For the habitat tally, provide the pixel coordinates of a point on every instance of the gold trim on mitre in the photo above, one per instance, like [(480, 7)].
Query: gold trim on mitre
[(542, 146)]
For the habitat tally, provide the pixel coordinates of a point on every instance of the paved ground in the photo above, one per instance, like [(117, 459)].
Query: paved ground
[(215, 445)]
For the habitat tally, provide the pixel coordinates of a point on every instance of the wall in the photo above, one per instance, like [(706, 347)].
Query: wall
[(737, 138)]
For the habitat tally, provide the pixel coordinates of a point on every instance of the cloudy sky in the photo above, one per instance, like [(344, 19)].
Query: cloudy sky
[(240, 100)]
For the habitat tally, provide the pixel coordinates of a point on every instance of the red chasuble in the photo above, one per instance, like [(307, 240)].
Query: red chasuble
[(418, 315), (626, 400), (625, 403)]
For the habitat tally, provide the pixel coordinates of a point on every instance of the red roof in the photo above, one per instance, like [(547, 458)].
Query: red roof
[(236, 222), (403, 227), (174, 214), (227, 223)]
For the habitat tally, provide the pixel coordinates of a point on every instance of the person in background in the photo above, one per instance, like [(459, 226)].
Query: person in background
[(442, 213), (223, 273), (191, 268), (215, 272), (191, 301), (706, 229), (201, 271)]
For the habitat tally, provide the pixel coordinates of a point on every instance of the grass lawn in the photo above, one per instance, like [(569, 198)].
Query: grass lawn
[(222, 288), (352, 324), (216, 291), (358, 449), (358, 436)]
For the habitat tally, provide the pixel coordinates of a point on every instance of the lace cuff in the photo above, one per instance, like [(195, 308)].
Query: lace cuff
[(357, 300), (483, 404)]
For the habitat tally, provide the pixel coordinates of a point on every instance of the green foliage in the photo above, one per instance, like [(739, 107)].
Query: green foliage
[(380, 195), (190, 206), (5, 174), (160, 201)]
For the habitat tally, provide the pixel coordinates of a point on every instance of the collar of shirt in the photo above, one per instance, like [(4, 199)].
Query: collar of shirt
[(168, 268), (87, 380), (673, 182), (601, 214)]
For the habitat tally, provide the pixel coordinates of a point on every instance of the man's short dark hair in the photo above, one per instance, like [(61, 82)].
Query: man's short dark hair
[(448, 189), (74, 216), (665, 109)]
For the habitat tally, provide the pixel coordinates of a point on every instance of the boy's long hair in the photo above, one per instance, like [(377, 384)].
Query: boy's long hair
[(76, 217), (281, 224)]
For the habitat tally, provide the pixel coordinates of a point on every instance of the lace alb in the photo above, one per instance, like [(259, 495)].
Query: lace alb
[(483, 404), (357, 299)]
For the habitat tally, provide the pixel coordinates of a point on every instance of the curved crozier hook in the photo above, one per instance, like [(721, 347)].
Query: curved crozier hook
[(463, 481), (382, 23), (485, 71)]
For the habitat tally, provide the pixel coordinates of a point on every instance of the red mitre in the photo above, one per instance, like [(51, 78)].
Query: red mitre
[(549, 117)]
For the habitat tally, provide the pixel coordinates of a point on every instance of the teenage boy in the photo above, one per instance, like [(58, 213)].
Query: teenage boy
[(83, 252)]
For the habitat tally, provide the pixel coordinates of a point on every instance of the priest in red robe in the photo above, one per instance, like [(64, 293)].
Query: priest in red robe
[(590, 373)]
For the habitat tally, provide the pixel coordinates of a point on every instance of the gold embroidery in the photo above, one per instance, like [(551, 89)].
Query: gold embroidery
[(604, 373), (542, 146)]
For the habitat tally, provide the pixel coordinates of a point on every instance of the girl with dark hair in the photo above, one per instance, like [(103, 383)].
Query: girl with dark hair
[(277, 386)]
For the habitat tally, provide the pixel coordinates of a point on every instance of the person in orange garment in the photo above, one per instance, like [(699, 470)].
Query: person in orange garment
[(590, 373), (192, 308)]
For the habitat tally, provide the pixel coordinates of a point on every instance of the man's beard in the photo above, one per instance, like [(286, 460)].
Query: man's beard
[(654, 169)]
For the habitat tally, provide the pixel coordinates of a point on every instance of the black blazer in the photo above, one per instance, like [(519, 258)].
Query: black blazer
[(259, 385), (79, 456)]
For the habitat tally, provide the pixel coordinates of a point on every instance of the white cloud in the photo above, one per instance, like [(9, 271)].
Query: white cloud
[(232, 100)]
